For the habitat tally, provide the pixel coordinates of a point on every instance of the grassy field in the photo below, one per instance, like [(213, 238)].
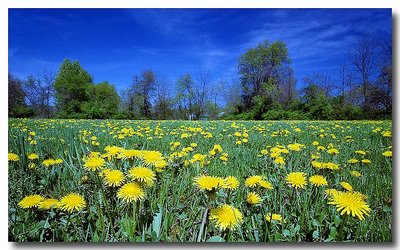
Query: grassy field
[(180, 181)]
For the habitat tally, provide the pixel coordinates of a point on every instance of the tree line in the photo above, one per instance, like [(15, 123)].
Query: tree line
[(265, 88)]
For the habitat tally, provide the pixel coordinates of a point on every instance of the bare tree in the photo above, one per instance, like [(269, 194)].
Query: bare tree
[(363, 59), (163, 100), (200, 92), (287, 86), (39, 92)]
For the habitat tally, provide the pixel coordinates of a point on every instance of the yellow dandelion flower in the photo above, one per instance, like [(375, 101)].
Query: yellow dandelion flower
[(355, 173), (252, 181), (296, 179), (131, 192), (387, 153), (152, 157), (253, 198), (279, 160), (143, 175), (114, 178), (94, 163), (231, 182), (318, 180), (33, 156), (352, 161), (365, 161), (333, 151), (265, 184), (331, 191), (30, 201), (207, 182), (46, 204), (273, 217), (129, 154), (13, 157), (72, 202), (346, 186), (360, 152), (351, 204), (226, 216)]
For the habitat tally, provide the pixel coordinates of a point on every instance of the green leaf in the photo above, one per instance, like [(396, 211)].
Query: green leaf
[(387, 209), (333, 232), (216, 239), (156, 225), (286, 233), (315, 234), (316, 223)]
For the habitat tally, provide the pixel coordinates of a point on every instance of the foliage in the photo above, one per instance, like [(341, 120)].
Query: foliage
[(72, 89)]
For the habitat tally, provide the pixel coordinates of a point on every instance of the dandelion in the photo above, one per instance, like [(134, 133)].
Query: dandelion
[(94, 163), (226, 216), (131, 192), (33, 156), (209, 183), (152, 157), (279, 160), (355, 173), (13, 157), (318, 180), (265, 184), (30, 201), (252, 181), (273, 217), (230, 182), (129, 154), (352, 161), (365, 161), (253, 198), (333, 151), (387, 153), (331, 192), (142, 175), (113, 178), (47, 204), (350, 203), (296, 179), (346, 186), (360, 152), (72, 202)]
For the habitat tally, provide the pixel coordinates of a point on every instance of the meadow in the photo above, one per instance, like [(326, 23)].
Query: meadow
[(199, 181)]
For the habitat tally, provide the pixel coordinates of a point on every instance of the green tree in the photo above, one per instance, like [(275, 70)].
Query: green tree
[(104, 101), (185, 95), (72, 87), (259, 69)]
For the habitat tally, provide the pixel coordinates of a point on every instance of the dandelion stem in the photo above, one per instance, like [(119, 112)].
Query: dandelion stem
[(203, 223), (344, 220)]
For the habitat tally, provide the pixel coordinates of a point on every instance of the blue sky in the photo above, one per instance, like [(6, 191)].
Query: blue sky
[(115, 44)]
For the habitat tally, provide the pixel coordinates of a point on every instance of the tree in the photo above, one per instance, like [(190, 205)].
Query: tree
[(163, 105), (259, 67), (39, 92), (363, 59), (185, 95), (72, 89), (144, 87), (200, 93), (104, 101), (16, 98), (287, 86)]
